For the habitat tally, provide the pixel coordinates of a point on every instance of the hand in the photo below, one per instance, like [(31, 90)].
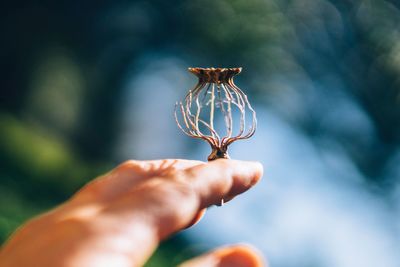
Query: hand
[(119, 218)]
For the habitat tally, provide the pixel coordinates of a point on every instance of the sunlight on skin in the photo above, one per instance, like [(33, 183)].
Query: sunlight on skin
[(119, 218), (232, 256)]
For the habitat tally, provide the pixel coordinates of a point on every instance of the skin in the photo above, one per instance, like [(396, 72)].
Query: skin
[(120, 218)]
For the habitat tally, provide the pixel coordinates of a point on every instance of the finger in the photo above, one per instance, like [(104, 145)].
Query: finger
[(137, 169), (221, 179), (174, 203), (187, 192), (232, 193), (128, 174), (156, 167), (233, 256)]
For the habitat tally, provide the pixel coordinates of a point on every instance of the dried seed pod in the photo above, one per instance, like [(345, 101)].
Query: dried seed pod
[(215, 93)]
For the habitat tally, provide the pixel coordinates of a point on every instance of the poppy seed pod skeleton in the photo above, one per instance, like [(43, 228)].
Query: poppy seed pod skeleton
[(215, 91)]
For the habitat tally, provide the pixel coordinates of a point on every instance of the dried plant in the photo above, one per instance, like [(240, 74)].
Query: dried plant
[(214, 91)]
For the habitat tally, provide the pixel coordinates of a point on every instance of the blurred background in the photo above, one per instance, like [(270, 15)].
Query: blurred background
[(88, 84)]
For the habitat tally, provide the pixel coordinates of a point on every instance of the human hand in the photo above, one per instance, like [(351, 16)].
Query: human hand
[(119, 218)]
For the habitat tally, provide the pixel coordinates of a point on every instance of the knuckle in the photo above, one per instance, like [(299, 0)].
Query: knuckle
[(185, 176), (129, 165)]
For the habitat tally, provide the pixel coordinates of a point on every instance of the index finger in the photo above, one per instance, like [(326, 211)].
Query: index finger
[(177, 200), (221, 179), (128, 174)]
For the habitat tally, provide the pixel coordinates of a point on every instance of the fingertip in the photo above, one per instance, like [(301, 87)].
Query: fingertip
[(251, 170), (221, 179), (241, 255), (258, 170)]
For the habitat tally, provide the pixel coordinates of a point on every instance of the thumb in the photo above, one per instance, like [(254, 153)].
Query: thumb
[(230, 256)]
